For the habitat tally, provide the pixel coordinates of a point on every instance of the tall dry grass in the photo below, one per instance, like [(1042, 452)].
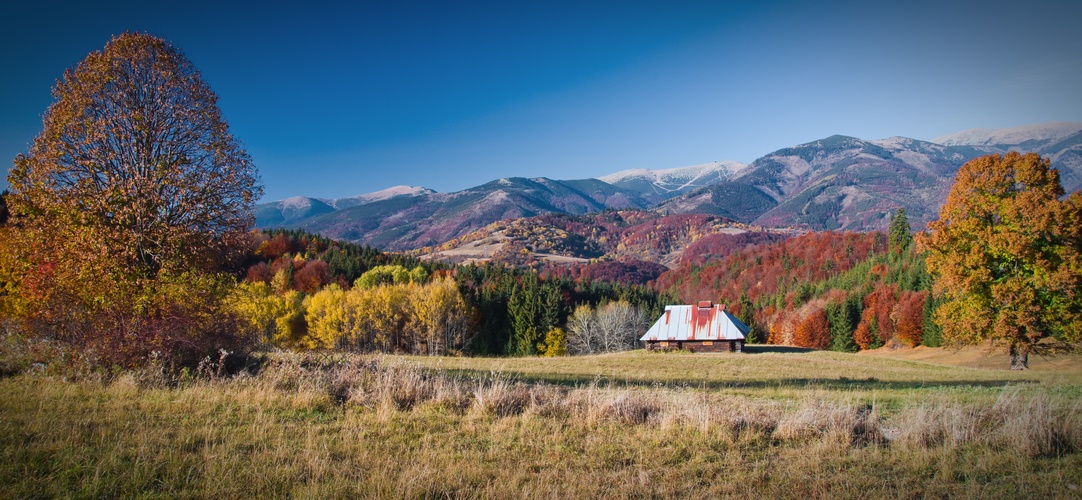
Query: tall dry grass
[(384, 426), (1031, 420)]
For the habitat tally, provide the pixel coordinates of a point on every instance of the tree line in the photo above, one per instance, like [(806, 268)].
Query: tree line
[(362, 299)]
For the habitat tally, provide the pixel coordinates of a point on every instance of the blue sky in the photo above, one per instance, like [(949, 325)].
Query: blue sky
[(338, 99)]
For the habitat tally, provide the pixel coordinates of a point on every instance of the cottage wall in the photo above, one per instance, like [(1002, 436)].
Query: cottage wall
[(698, 345)]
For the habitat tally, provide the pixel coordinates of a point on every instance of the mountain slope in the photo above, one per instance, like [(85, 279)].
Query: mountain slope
[(426, 219), (659, 185), (1043, 134), (288, 211), (1061, 142), (838, 182), (847, 183), (731, 199), (576, 242), (385, 194)]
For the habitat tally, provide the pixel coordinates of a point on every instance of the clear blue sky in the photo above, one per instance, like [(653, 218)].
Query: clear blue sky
[(338, 99)]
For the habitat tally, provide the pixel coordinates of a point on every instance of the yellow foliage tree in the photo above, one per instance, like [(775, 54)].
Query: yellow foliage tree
[(290, 327), (440, 316), (328, 318), (555, 343), (386, 312), (257, 306)]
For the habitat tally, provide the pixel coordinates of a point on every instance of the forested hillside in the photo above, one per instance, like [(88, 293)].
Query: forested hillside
[(838, 290), (572, 244), (305, 291)]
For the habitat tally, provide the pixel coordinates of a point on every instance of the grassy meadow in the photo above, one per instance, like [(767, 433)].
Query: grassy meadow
[(771, 422)]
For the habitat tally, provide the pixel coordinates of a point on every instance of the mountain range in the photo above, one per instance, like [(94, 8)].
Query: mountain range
[(838, 182)]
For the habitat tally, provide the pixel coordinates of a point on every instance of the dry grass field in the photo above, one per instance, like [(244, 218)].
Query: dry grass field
[(772, 422)]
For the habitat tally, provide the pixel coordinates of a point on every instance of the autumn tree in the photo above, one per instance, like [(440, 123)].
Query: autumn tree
[(133, 184), (1006, 253), (3, 207), (441, 317), (813, 331), (135, 149), (882, 305), (865, 334), (392, 274), (555, 343), (909, 315), (313, 276), (582, 331), (274, 319), (327, 317), (875, 327)]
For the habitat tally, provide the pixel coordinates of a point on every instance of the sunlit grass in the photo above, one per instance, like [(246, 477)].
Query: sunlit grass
[(771, 372), (632, 424)]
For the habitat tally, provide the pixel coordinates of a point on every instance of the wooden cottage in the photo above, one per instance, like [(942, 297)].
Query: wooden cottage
[(704, 327)]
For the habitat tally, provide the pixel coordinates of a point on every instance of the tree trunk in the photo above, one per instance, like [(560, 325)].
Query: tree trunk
[(1019, 357)]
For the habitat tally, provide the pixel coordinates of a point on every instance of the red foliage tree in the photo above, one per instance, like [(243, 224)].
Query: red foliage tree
[(865, 333), (276, 247), (813, 331), (884, 300), (313, 276), (864, 336), (260, 273), (910, 317)]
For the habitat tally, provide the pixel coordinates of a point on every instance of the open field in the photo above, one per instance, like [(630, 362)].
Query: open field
[(784, 422)]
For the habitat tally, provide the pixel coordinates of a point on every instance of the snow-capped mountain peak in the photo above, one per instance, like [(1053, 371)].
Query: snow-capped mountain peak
[(1050, 132), (383, 194), (296, 203), (392, 192), (674, 180)]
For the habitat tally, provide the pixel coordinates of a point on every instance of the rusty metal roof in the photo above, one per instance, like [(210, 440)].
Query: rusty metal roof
[(704, 321)]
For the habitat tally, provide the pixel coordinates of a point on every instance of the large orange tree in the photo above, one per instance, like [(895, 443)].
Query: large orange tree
[(125, 204), (1007, 255)]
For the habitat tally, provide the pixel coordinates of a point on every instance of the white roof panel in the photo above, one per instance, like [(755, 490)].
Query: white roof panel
[(681, 323)]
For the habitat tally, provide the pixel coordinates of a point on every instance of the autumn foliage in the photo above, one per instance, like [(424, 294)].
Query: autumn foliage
[(126, 210), (909, 317), (760, 269), (813, 331), (1007, 251)]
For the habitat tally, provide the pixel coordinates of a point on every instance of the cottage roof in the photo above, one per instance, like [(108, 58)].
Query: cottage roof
[(704, 321)]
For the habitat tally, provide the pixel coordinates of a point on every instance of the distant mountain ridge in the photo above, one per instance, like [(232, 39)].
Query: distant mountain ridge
[(659, 185), (385, 194), (1042, 133), (838, 182), (424, 218), (844, 182), (1059, 141)]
